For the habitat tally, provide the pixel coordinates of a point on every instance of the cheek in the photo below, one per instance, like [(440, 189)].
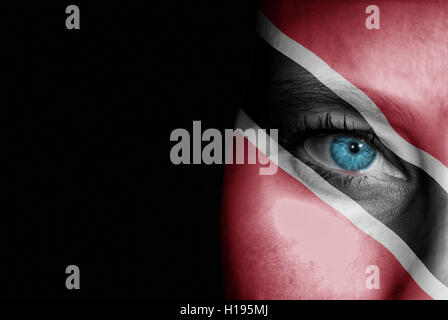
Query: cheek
[(282, 242)]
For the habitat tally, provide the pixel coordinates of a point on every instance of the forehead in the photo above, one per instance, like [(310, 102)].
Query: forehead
[(402, 67), (407, 57)]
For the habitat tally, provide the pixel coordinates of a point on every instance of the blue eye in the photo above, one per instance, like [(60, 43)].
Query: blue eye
[(337, 152), (351, 153)]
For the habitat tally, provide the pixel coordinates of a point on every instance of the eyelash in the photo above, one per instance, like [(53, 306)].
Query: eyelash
[(325, 126)]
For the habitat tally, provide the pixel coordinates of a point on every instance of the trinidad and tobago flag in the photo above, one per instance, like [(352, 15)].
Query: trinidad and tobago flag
[(362, 179)]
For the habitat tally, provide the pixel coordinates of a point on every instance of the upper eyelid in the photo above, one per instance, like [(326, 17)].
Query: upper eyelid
[(325, 125)]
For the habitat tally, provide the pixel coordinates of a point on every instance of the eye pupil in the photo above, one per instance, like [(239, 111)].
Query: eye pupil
[(351, 153), (355, 147)]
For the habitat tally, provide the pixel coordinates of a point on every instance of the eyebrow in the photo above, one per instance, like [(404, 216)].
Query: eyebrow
[(282, 90), (301, 84), (299, 87), (298, 90)]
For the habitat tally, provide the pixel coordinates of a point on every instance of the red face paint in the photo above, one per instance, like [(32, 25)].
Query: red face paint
[(280, 241)]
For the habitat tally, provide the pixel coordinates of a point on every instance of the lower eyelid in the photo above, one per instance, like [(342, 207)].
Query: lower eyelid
[(338, 178), (382, 199), (368, 191)]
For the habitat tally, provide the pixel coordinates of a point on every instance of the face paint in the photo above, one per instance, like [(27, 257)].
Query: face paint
[(312, 230)]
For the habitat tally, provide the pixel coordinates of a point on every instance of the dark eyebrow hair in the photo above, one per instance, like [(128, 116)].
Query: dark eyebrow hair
[(296, 85), (302, 85), (296, 88), (281, 90)]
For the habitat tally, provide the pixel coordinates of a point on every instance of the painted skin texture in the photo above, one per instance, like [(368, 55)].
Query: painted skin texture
[(282, 242)]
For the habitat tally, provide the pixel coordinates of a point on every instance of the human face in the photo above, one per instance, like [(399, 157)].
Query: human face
[(363, 161)]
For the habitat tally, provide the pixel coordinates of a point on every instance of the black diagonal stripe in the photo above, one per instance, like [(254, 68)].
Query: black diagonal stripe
[(284, 95)]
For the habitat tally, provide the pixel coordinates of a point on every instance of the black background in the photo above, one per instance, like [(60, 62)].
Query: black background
[(87, 122)]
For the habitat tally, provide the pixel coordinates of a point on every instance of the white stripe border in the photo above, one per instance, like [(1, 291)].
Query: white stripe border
[(355, 97), (352, 211)]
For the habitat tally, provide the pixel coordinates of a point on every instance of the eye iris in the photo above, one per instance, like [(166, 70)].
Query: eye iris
[(351, 154)]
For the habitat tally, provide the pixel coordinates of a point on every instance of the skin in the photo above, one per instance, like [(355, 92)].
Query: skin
[(267, 251)]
